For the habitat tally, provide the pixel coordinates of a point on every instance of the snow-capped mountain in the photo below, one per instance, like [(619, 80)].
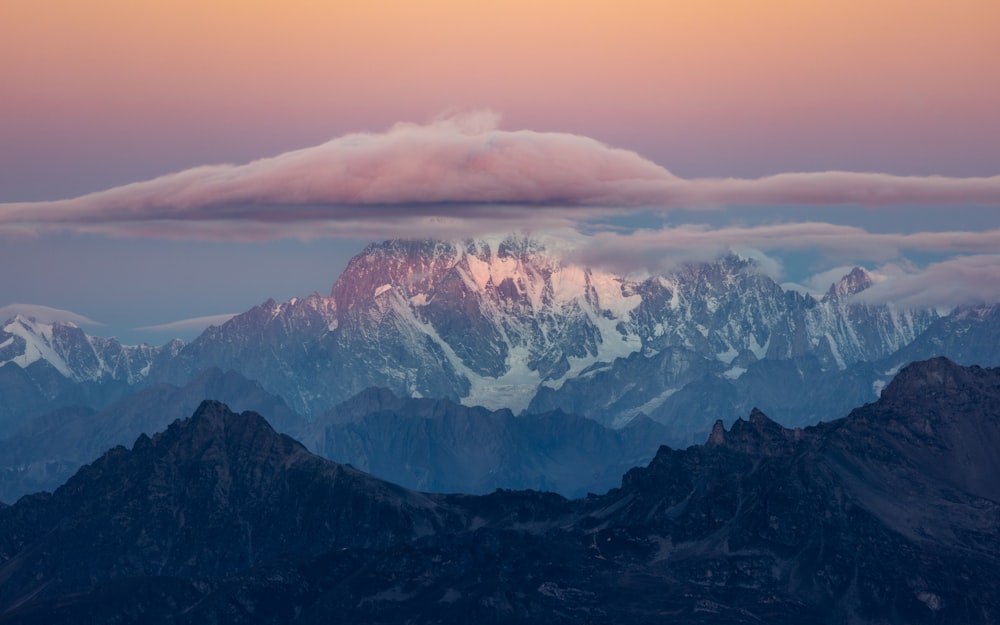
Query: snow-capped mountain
[(45, 365), (507, 323), (73, 353)]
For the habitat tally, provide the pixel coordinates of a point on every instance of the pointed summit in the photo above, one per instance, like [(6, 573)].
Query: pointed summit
[(853, 283), (718, 435), (760, 435)]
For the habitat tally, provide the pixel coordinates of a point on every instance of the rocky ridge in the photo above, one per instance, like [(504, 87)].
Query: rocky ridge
[(221, 519)]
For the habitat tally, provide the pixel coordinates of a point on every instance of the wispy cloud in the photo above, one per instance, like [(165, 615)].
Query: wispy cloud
[(971, 276), (45, 314), (967, 280), (656, 250), (456, 171), (189, 325)]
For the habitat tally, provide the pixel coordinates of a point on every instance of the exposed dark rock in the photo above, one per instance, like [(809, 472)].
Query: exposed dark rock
[(867, 519), (46, 450)]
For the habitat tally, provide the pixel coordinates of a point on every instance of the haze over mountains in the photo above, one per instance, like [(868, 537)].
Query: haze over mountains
[(506, 324), (889, 515)]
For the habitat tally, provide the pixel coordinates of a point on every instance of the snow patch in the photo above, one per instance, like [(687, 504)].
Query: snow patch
[(734, 373), (836, 353), (625, 418), (420, 299), (569, 283), (759, 350), (514, 389), (610, 297), (37, 344), (877, 387), (930, 599), (382, 289), (727, 356), (479, 270)]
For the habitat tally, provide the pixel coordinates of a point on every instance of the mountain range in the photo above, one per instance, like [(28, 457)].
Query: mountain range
[(504, 324), (890, 515)]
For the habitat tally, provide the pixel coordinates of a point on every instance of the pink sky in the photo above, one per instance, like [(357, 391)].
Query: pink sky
[(106, 92)]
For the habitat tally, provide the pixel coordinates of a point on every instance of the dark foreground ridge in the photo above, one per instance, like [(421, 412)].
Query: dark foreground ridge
[(890, 515)]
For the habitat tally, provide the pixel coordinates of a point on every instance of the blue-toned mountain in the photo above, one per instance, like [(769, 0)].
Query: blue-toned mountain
[(509, 323), (889, 515)]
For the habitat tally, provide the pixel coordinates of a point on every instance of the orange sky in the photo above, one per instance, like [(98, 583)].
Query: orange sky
[(100, 93), (743, 87)]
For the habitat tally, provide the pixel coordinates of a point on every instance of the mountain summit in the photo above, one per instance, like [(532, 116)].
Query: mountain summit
[(853, 283)]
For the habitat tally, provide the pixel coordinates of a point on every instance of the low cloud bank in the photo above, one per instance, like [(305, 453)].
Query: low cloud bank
[(656, 250), (963, 281)]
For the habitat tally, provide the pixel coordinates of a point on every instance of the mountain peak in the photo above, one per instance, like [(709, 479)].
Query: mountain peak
[(944, 417), (758, 435), (927, 380), (214, 425), (851, 284), (215, 412), (214, 494)]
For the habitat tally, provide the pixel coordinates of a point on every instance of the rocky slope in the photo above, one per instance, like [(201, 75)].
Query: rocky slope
[(211, 496), (887, 516)]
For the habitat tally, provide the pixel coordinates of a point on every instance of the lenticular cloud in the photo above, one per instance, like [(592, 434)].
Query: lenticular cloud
[(456, 168), (410, 169)]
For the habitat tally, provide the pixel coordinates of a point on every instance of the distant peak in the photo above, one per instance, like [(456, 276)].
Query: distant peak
[(758, 435), (211, 409), (853, 283), (215, 415), (759, 419), (718, 435)]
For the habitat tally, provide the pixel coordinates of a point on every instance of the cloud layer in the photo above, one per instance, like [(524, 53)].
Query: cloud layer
[(456, 169), (463, 176), (45, 314), (656, 250), (188, 325), (970, 277), (963, 281)]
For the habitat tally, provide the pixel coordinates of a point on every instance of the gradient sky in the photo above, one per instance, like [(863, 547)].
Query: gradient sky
[(109, 92)]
